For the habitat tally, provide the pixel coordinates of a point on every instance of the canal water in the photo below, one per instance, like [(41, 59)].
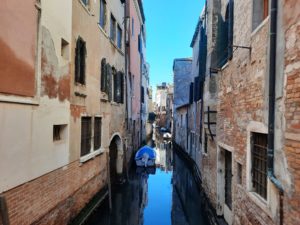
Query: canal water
[(166, 195)]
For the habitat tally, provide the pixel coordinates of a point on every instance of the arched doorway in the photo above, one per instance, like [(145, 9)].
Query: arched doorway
[(116, 159)]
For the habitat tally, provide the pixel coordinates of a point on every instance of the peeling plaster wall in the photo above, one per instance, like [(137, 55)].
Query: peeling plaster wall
[(27, 147), (18, 44), (93, 102)]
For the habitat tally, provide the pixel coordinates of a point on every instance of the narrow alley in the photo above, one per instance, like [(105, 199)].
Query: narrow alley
[(143, 112)]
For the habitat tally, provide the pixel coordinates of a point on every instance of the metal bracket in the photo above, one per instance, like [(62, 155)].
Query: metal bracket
[(208, 123)]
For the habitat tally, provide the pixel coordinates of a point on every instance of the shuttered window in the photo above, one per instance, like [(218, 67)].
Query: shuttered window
[(86, 135), (97, 132), (109, 82), (80, 57)]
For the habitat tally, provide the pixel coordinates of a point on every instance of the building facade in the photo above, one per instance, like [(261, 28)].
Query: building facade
[(246, 54), (63, 94)]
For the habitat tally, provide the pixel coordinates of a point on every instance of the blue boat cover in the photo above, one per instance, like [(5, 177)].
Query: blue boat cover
[(145, 149)]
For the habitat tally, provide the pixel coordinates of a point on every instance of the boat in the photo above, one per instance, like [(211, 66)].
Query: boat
[(145, 156)]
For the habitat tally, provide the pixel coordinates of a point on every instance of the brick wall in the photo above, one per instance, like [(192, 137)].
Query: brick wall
[(291, 24), (242, 100), (58, 196)]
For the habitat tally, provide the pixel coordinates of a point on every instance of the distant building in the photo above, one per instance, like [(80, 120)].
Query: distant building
[(183, 76)]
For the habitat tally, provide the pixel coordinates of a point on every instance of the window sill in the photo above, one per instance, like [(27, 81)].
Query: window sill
[(91, 155), (19, 99), (103, 31), (116, 47), (260, 26), (261, 202), (85, 7)]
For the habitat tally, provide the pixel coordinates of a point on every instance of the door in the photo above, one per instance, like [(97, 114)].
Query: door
[(228, 179)]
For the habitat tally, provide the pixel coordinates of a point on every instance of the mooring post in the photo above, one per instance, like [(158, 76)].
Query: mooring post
[(109, 181)]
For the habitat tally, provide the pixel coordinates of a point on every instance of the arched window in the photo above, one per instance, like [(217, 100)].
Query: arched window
[(80, 55)]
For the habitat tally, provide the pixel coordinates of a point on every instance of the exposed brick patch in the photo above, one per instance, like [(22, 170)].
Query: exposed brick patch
[(67, 188)]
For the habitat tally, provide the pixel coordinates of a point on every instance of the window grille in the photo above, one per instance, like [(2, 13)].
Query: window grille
[(97, 133), (86, 135), (259, 164)]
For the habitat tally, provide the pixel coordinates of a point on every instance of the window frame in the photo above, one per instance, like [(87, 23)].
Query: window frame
[(98, 145), (92, 152)]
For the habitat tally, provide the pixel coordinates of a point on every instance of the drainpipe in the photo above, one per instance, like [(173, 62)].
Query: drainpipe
[(271, 122), (272, 84)]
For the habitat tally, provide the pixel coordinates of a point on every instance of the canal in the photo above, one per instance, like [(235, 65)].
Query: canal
[(166, 195)]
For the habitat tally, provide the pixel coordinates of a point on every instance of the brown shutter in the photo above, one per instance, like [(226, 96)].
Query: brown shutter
[(109, 82)]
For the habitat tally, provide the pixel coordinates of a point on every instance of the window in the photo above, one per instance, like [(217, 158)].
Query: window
[(80, 61), (102, 19), (260, 12), (112, 28), (142, 95), (64, 49), (86, 135), (205, 142), (132, 27), (97, 132), (259, 163), (239, 173), (58, 132), (119, 37)]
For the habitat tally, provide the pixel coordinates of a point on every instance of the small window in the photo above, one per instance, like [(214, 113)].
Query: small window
[(119, 37), (103, 76), (59, 132), (64, 49), (112, 28), (260, 12), (86, 135), (142, 94), (259, 163), (97, 132), (102, 19), (205, 142), (80, 56), (132, 26), (239, 173)]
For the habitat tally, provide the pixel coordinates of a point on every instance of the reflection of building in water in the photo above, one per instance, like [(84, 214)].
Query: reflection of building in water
[(128, 203), (163, 154), (188, 193)]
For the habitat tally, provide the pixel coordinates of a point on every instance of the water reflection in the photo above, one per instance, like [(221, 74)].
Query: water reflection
[(152, 196)]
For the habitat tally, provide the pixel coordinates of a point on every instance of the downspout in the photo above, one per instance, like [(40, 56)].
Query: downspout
[(126, 82), (271, 122), (272, 84)]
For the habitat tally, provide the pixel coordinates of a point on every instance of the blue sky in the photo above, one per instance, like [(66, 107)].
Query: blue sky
[(170, 27)]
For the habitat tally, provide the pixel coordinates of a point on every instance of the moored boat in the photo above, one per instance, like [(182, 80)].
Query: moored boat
[(145, 156)]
